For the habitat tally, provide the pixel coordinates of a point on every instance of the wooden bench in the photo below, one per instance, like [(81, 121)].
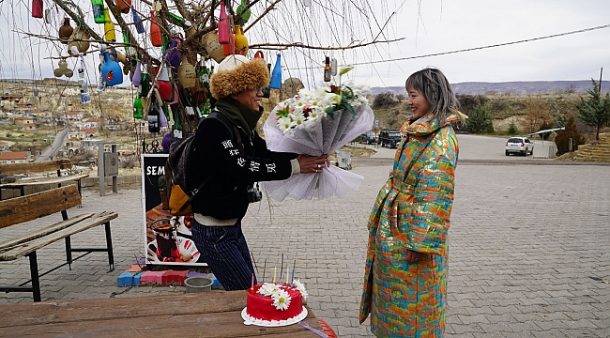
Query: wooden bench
[(58, 175), (15, 211)]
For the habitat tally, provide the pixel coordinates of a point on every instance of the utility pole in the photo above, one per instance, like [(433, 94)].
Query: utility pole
[(601, 72)]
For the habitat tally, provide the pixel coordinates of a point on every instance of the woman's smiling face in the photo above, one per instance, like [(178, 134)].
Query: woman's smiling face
[(417, 103)]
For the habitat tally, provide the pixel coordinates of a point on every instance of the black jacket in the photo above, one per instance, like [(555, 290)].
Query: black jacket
[(231, 168)]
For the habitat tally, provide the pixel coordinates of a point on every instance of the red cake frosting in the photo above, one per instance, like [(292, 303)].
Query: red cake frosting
[(274, 301)]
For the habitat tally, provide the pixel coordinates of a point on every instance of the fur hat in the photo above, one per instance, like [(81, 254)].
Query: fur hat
[(237, 73)]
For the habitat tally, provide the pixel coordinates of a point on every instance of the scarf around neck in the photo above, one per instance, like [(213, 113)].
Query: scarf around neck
[(239, 114), (430, 123)]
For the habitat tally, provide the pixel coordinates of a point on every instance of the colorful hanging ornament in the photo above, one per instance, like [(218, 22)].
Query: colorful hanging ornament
[(163, 84), (80, 40), (111, 71), (243, 12), (212, 46), (65, 31), (224, 28), (259, 55), (137, 75), (186, 74), (98, 11), (109, 34), (62, 69), (155, 31), (124, 5), (37, 9), (276, 75), (138, 22), (241, 42), (172, 55)]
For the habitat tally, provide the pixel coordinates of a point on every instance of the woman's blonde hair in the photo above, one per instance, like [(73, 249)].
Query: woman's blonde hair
[(435, 87)]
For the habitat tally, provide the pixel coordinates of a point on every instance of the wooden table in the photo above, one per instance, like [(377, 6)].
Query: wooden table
[(206, 314)]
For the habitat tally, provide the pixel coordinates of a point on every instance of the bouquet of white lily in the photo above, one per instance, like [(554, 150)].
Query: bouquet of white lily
[(314, 123)]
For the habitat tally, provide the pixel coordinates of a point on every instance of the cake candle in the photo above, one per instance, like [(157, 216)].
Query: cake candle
[(274, 272), (294, 264), (287, 274), (252, 283)]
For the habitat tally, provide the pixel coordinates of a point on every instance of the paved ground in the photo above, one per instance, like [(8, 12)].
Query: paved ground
[(529, 250)]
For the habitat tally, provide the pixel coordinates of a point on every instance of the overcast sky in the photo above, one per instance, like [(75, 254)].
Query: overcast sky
[(430, 26)]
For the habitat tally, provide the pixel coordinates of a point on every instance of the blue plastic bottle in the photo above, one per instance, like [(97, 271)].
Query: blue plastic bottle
[(111, 71)]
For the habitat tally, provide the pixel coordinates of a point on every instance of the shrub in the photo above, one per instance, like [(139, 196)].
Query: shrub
[(512, 129), (479, 120), (563, 138), (386, 99)]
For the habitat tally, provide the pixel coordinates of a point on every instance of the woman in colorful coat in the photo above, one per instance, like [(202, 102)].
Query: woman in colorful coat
[(405, 281)]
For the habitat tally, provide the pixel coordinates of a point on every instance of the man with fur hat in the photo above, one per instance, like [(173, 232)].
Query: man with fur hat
[(230, 157)]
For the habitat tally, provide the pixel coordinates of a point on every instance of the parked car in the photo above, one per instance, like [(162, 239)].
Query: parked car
[(389, 138), (369, 137), (519, 145)]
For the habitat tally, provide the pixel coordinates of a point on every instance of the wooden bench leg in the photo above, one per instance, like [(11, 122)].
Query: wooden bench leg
[(109, 246), (69, 252), (34, 274)]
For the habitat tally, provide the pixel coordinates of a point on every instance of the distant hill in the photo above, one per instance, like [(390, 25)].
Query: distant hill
[(514, 88)]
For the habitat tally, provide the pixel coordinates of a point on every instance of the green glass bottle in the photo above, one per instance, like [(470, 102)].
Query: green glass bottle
[(145, 85), (138, 109)]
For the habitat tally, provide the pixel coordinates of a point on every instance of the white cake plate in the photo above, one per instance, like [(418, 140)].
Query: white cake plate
[(249, 320)]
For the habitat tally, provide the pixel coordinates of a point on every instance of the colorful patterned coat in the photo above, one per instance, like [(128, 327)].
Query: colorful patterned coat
[(411, 212)]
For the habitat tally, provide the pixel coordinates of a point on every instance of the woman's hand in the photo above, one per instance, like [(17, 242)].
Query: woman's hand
[(414, 256), (312, 164)]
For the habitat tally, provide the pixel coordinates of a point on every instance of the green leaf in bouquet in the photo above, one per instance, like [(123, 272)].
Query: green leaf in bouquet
[(345, 70)]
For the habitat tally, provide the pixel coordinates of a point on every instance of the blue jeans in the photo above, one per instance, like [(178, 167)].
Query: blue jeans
[(225, 250)]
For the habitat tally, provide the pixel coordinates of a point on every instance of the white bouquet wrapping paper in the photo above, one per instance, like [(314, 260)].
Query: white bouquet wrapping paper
[(316, 123)]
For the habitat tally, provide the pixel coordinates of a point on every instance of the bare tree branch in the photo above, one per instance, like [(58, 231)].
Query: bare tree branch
[(269, 9), (269, 45)]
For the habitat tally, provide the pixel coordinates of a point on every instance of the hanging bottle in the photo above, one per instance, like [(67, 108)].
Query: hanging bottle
[(124, 5), (241, 42), (109, 34), (37, 9), (145, 84), (111, 71), (137, 20), (224, 30), (98, 11), (327, 69), (84, 88), (65, 31), (138, 108), (155, 31), (276, 75)]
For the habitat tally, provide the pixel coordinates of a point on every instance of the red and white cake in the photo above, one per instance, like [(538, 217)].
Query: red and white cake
[(275, 303)]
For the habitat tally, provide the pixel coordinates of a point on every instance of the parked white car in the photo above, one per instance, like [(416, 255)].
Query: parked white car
[(519, 145)]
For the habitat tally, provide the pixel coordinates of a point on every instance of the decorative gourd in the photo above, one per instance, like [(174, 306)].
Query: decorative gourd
[(111, 71), (62, 69), (241, 42), (186, 74), (65, 31), (79, 39), (212, 46)]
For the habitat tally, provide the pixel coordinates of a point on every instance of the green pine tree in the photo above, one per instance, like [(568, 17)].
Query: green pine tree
[(595, 110)]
